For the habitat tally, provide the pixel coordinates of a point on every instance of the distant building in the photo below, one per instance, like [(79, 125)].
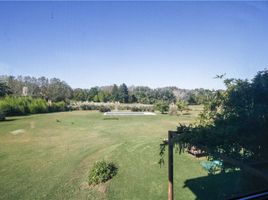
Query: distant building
[(25, 91)]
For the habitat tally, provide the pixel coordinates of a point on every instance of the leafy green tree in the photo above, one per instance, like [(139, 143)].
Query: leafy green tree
[(123, 93), (96, 98), (102, 96), (182, 105), (4, 89), (79, 94), (93, 92), (115, 93), (43, 84), (59, 90), (133, 99), (234, 122)]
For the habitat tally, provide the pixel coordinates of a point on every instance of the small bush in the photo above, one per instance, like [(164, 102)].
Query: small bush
[(89, 107), (101, 172), (2, 116), (163, 107), (104, 109), (136, 109)]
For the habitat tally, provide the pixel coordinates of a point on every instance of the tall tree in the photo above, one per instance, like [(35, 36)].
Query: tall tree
[(4, 89), (93, 94), (115, 93), (59, 90), (234, 122), (79, 94), (123, 93)]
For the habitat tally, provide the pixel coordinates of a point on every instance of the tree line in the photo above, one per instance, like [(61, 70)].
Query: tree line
[(57, 90)]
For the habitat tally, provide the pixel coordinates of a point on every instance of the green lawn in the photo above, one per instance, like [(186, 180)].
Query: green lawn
[(48, 156)]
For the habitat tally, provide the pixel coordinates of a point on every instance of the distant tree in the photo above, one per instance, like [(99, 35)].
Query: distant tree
[(123, 93), (133, 99), (93, 92), (96, 98), (144, 95), (192, 99), (14, 85), (59, 90), (182, 105), (79, 94), (102, 96), (4, 89), (164, 94), (115, 93)]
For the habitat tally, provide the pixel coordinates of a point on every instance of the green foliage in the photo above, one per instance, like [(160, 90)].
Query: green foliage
[(88, 107), (136, 109), (13, 106), (234, 122), (59, 90), (58, 107), (38, 106), (147, 95), (2, 116), (80, 94), (123, 93), (182, 106), (104, 109), (115, 93), (101, 172), (53, 89), (4, 89), (199, 96), (133, 99), (162, 107), (93, 94), (102, 96)]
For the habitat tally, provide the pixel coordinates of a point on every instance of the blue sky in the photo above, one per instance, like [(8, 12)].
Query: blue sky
[(183, 44)]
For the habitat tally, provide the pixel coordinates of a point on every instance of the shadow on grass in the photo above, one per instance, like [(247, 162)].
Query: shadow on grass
[(8, 120), (111, 118), (224, 185)]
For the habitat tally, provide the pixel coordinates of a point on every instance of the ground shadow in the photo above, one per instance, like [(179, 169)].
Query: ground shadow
[(224, 185), (8, 120)]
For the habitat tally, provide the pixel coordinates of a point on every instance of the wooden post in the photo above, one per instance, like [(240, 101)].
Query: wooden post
[(170, 166)]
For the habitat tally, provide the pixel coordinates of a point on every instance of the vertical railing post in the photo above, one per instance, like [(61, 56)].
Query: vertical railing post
[(170, 166)]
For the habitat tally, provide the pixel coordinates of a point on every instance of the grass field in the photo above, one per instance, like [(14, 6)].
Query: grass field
[(48, 156)]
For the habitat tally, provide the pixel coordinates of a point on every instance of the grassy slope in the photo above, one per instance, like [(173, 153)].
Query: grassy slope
[(51, 159)]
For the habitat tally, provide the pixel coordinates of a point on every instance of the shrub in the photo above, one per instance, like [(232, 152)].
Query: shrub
[(104, 109), (12, 106), (101, 172), (15, 105), (2, 116), (58, 106), (38, 106), (162, 107), (136, 109), (88, 107)]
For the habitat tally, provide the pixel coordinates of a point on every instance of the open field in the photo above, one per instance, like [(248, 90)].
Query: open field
[(48, 156)]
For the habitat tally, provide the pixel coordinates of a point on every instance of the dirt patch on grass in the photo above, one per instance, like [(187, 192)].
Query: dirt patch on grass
[(84, 186), (102, 188), (32, 125), (18, 131)]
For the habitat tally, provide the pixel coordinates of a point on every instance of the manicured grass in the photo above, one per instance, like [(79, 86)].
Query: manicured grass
[(51, 154)]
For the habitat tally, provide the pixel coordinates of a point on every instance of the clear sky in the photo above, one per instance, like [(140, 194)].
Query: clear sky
[(183, 44)]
